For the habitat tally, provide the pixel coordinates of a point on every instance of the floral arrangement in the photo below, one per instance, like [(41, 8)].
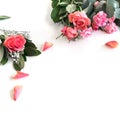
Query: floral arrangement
[(17, 46), (81, 17)]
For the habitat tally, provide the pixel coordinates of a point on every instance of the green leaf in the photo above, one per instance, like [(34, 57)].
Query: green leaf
[(63, 3), (3, 17), (30, 51), (55, 14), (19, 64), (71, 8), (2, 38), (110, 11), (24, 57), (117, 21), (62, 11), (113, 3), (5, 56), (54, 3), (29, 43), (117, 13)]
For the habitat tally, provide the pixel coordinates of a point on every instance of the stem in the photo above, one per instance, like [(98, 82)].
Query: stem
[(72, 1), (59, 36)]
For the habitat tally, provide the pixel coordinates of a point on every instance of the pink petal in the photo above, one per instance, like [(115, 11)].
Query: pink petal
[(20, 75), (17, 91), (47, 45)]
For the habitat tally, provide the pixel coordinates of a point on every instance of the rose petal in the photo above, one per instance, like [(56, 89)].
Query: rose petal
[(20, 75), (112, 44), (47, 45), (17, 91)]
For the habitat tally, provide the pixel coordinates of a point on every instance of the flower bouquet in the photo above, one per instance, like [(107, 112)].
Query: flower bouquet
[(17, 46), (81, 17)]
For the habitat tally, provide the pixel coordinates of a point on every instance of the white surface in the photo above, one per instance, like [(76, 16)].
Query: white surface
[(70, 81)]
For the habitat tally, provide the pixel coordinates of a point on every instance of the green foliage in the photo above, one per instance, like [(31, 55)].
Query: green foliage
[(31, 49), (5, 56), (19, 64), (61, 9), (3, 17)]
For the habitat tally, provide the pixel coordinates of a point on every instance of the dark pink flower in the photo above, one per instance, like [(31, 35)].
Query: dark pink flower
[(100, 19), (110, 28), (69, 32), (94, 26), (15, 43), (85, 33)]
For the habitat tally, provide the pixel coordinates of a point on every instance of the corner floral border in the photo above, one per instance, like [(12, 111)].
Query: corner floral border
[(81, 17)]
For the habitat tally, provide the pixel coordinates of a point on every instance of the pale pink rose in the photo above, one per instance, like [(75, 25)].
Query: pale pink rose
[(85, 33), (110, 28), (94, 26), (15, 43), (100, 19), (79, 20), (69, 32)]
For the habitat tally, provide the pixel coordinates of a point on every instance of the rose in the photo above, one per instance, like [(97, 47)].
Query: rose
[(79, 20), (110, 28), (85, 33), (15, 43), (69, 32), (100, 19)]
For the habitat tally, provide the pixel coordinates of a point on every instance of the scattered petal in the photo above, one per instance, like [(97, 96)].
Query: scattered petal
[(47, 45), (20, 75), (112, 44), (17, 91)]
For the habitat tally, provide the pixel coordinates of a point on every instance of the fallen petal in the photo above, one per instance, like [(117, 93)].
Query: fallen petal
[(112, 44), (20, 75), (47, 45), (17, 91)]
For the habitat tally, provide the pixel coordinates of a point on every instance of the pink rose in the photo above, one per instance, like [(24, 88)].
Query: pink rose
[(85, 33), (100, 19), (110, 28), (15, 43), (79, 20), (69, 32)]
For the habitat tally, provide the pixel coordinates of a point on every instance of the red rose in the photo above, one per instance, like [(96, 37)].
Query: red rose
[(15, 43)]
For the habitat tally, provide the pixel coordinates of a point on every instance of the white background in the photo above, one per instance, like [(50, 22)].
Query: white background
[(70, 81)]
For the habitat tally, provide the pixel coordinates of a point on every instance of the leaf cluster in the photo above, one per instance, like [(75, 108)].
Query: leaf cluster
[(61, 9)]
